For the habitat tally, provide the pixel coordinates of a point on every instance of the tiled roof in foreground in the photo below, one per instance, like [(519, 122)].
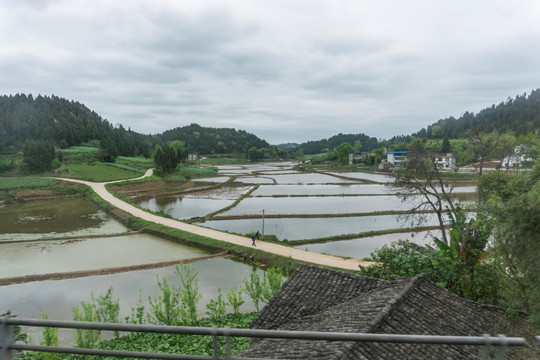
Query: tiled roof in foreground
[(319, 299)]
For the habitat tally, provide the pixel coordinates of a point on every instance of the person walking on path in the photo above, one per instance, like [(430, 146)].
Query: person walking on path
[(253, 240)]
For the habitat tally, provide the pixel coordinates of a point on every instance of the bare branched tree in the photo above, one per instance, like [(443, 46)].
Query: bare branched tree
[(422, 182)]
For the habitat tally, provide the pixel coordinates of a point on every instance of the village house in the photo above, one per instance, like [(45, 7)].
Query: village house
[(395, 160), (324, 300), (356, 158), (518, 159), (445, 161)]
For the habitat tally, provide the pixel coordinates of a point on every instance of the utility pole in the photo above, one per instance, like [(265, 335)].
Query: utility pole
[(262, 236)]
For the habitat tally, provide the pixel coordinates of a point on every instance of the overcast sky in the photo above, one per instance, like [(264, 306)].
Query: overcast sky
[(285, 70)]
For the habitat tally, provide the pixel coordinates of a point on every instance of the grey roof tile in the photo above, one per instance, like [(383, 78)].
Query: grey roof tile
[(319, 299)]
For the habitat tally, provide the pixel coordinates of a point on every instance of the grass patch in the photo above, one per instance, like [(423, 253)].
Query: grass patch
[(26, 182), (135, 162), (194, 171), (223, 160), (79, 150), (99, 172)]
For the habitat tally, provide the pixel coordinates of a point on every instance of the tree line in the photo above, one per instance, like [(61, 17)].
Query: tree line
[(487, 250), (35, 125), (519, 116)]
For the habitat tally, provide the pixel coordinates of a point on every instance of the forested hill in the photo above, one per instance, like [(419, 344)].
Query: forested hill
[(319, 146), (51, 119), (518, 116), (63, 123), (205, 140)]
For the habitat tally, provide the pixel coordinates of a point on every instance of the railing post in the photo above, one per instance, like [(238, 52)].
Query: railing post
[(501, 350), (215, 354), (6, 339), (487, 345), (227, 344)]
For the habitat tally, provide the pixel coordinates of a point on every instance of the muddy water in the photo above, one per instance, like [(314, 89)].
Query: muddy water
[(55, 218), (183, 208)]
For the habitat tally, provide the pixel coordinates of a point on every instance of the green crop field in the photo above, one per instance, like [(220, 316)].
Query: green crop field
[(100, 172), (26, 182), (79, 149)]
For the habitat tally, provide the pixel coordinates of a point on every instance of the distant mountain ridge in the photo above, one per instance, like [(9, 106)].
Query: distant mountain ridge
[(520, 116), (206, 140), (68, 123)]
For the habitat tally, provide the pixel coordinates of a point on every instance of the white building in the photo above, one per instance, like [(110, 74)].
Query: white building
[(445, 161), (398, 159)]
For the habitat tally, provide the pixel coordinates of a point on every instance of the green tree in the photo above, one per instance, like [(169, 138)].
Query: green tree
[(272, 280), (254, 288), (38, 155), (299, 155), (357, 146), (189, 293), (166, 160), (423, 184), (108, 149), (216, 308), (343, 151), (445, 146), (165, 306), (180, 150), (513, 200), (483, 146), (234, 299), (50, 338)]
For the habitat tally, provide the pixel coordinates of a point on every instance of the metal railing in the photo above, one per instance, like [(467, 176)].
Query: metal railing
[(7, 343)]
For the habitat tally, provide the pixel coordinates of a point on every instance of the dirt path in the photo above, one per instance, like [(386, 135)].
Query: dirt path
[(302, 255)]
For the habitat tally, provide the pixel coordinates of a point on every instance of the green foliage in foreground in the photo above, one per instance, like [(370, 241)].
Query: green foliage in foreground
[(403, 258), (513, 201), (26, 182), (171, 305), (185, 344)]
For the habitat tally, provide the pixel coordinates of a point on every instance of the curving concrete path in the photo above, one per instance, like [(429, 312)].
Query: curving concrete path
[(302, 255)]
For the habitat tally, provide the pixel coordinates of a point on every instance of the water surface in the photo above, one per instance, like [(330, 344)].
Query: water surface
[(19, 259), (55, 218), (314, 228), (183, 208), (363, 247), (319, 205), (58, 297)]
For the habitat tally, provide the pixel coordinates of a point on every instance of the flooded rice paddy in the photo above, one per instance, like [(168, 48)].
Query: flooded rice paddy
[(363, 247), (293, 229), (65, 255), (332, 201), (83, 243)]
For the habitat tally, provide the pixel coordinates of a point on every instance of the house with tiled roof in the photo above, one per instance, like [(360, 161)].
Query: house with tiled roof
[(319, 299)]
